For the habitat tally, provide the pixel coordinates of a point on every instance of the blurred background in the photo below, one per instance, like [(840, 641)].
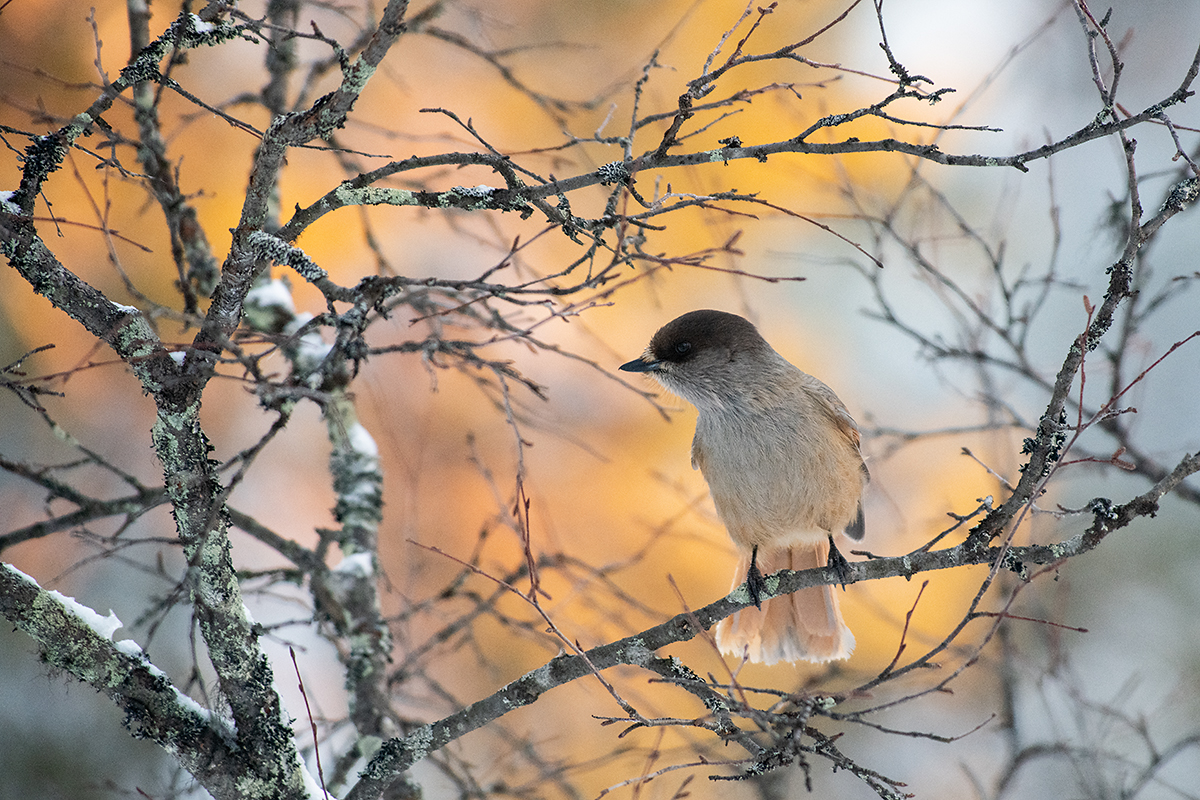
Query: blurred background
[(608, 475)]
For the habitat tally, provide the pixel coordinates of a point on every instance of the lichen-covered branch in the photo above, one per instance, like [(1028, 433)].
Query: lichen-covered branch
[(75, 639)]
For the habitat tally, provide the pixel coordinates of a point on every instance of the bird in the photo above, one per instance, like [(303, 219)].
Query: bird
[(782, 460)]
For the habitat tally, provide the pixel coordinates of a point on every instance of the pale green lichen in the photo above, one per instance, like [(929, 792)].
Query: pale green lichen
[(1182, 195), (357, 76), (740, 595), (540, 677), (419, 743), (262, 245), (375, 196), (613, 172), (469, 198), (135, 339), (636, 652)]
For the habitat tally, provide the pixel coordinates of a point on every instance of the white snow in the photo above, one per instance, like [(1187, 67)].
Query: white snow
[(130, 648), (362, 442), (192, 705), (20, 574), (134, 650), (105, 626), (312, 786), (313, 349), (298, 322), (200, 26), (274, 293), (359, 564)]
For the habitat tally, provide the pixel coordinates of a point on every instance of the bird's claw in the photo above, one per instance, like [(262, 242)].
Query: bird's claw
[(838, 563)]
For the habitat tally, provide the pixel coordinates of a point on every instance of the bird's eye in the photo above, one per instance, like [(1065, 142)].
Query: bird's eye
[(682, 348)]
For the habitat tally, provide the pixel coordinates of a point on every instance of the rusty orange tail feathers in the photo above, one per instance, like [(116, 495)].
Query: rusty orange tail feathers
[(803, 625)]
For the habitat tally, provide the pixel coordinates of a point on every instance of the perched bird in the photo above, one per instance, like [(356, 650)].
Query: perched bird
[(781, 457)]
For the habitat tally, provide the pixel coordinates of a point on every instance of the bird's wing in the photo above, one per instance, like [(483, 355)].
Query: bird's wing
[(834, 408), (849, 428)]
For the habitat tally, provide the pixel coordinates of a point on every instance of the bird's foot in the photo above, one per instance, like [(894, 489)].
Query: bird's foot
[(838, 563), (755, 583)]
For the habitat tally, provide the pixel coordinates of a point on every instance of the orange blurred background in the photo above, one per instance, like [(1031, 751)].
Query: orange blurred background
[(609, 478)]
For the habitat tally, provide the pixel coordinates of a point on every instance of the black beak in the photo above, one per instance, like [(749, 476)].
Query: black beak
[(640, 365)]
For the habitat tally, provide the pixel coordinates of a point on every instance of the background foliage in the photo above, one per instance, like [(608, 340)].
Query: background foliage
[(415, 340)]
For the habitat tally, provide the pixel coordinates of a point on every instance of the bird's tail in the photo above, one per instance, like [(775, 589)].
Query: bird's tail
[(805, 625)]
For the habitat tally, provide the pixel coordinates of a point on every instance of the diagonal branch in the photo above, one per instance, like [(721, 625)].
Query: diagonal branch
[(154, 709), (398, 755)]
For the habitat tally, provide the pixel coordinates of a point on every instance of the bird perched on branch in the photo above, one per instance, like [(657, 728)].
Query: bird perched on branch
[(781, 457)]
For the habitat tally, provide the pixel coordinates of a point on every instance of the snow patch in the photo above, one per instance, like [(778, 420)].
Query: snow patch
[(200, 26), (105, 626), (272, 294), (359, 565), (362, 442)]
